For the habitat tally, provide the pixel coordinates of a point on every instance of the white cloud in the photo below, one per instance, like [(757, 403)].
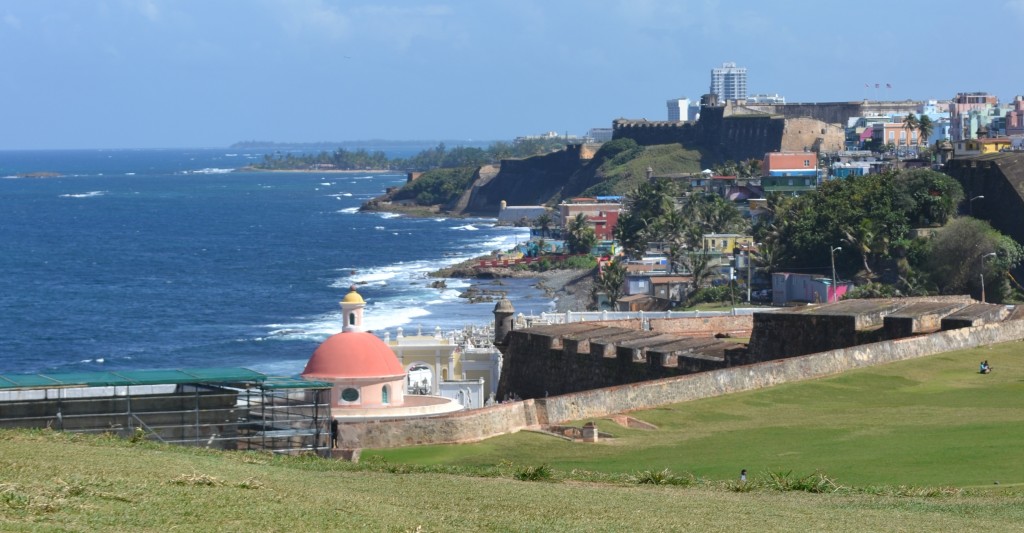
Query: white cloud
[(1016, 6), (312, 18), (12, 21), (147, 8)]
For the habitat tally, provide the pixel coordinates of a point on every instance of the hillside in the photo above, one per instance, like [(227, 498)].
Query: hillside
[(614, 169)]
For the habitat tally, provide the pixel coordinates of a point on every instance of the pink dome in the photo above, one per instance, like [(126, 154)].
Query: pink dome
[(353, 354)]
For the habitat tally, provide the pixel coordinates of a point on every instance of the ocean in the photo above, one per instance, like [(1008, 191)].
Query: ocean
[(137, 259)]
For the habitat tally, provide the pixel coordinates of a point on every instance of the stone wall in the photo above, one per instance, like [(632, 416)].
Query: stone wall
[(492, 421), (704, 326)]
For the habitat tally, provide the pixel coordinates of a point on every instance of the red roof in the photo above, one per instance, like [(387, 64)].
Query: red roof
[(353, 354)]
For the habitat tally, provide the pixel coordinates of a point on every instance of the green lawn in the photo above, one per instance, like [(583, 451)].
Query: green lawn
[(930, 422), (933, 421)]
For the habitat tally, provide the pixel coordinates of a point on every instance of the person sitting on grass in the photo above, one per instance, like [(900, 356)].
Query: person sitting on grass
[(984, 368)]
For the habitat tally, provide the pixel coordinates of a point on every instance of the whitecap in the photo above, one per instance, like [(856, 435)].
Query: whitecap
[(325, 184), (349, 210), (467, 227), (346, 194), (90, 194), (378, 227), (129, 173), (386, 215), (210, 170)]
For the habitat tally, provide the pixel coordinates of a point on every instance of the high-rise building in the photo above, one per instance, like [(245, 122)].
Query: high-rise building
[(678, 109), (729, 82)]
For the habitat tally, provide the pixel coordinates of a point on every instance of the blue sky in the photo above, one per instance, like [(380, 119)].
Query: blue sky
[(207, 73)]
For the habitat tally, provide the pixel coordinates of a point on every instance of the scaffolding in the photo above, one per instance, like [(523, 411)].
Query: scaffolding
[(222, 408)]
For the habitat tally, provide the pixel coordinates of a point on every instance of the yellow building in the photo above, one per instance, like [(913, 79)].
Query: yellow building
[(724, 243), (983, 145)]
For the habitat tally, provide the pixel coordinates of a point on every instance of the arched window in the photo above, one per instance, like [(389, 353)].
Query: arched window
[(384, 394), (351, 319)]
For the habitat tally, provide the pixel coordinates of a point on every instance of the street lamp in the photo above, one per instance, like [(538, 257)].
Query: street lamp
[(970, 203), (982, 273), (832, 252)]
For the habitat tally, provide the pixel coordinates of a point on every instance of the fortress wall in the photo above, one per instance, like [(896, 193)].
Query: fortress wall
[(703, 327), (802, 134), (492, 421), (650, 394)]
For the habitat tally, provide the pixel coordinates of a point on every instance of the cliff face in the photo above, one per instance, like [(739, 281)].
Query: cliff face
[(531, 181)]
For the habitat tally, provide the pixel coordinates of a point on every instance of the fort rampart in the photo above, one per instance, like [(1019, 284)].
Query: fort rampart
[(468, 426)]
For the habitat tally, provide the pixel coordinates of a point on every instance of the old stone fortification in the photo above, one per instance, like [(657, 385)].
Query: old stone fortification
[(736, 133), (531, 181), (999, 178), (505, 418), (836, 112)]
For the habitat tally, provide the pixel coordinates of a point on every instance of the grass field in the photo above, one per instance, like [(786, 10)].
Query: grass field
[(883, 434), (934, 421)]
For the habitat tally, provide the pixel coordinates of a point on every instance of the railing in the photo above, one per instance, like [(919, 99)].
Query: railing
[(590, 316)]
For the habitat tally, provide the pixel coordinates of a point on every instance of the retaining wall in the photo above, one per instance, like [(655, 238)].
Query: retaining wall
[(505, 418)]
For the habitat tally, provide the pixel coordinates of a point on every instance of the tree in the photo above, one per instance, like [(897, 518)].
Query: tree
[(580, 236), (543, 221), (910, 124), (701, 271), (925, 128), (643, 209), (957, 257), (611, 281)]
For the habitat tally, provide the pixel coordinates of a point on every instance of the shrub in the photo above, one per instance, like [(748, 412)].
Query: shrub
[(533, 473)]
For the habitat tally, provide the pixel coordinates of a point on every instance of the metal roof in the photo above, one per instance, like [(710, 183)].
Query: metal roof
[(151, 377)]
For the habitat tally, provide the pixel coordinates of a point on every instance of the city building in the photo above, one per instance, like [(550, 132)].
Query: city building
[(789, 172), (776, 98), (600, 135), (678, 109), (602, 213), (967, 112), (729, 82)]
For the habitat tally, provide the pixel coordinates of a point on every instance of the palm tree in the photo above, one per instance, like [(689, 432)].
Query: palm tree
[(543, 221), (925, 128), (910, 124), (580, 238), (611, 281)]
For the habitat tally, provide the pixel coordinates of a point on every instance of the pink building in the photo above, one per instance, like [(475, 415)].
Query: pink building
[(1015, 118)]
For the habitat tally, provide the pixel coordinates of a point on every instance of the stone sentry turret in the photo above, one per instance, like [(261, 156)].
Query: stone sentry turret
[(504, 314)]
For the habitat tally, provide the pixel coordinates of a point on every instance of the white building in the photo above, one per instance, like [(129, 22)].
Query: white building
[(678, 109), (729, 82)]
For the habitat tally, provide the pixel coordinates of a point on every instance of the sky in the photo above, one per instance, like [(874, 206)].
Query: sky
[(208, 73)]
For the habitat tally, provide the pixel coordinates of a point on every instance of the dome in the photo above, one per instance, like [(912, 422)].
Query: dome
[(353, 354), (353, 297)]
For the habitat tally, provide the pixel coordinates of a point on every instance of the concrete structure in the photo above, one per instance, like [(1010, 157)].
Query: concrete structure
[(367, 380), (999, 177), (960, 108), (602, 214), (729, 82), (789, 172), (788, 288), (678, 109), (515, 214), (469, 426), (461, 365)]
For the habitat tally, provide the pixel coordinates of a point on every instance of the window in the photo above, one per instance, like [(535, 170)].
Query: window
[(384, 395), (351, 319), (807, 162), (350, 395), (790, 182)]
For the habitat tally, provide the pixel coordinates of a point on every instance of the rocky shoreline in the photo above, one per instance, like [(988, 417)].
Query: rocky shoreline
[(571, 289)]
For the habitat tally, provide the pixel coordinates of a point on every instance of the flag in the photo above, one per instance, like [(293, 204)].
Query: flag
[(876, 85), (866, 86), (888, 86)]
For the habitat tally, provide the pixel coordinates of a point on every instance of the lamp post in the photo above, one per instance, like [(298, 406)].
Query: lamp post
[(832, 253), (970, 203), (982, 273)]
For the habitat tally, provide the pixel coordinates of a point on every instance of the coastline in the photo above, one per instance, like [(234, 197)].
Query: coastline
[(570, 289), (317, 170)]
